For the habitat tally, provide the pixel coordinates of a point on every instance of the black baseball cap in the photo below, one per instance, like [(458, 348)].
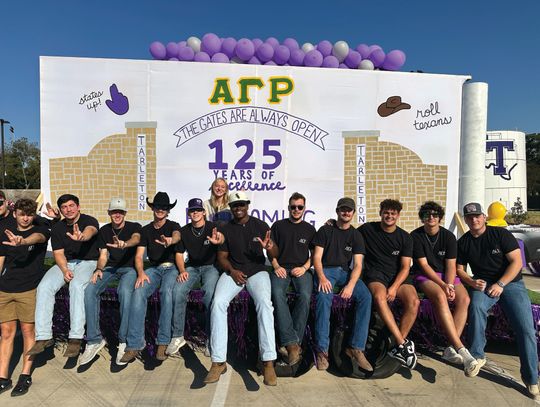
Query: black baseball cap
[(346, 202), (472, 208)]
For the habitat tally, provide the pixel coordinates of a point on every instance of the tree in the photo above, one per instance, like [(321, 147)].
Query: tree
[(533, 163), (22, 164)]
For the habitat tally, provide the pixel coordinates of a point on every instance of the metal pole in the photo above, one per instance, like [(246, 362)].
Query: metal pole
[(2, 122)]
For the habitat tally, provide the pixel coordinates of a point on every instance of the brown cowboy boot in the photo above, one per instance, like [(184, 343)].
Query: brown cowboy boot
[(73, 348), (294, 352), (269, 374), (360, 358), (216, 370)]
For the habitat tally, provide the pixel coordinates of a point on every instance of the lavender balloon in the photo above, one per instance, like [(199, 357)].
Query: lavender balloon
[(257, 42), (244, 49), (313, 58), (210, 43), (173, 59), (363, 49), (325, 48), (201, 56), (254, 61), (220, 58), (182, 44), (186, 53), (281, 54), (158, 50), (308, 46), (297, 57), (227, 46), (272, 41), (340, 50), (270, 63), (265, 52), (343, 66), (330, 61), (172, 50), (353, 59), (377, 57), (194, 43), (394, 60), (291, 43), (374, 47)]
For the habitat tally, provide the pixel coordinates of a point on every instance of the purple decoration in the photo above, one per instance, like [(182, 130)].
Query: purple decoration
[(172, 50), (186, 53), (174, 59), (244, 49), (158, 50), (281, 54), (330, 61), (374, 47), (201, 57), (325, 48), (377, 57), (343, 66), (297, 57), (363, 49), (313, 58), (254, 61), (227, 46), (394, 60), (182, 44), (291, 43), (272, 41), (257, 42), (353, 59), (210, 44), (220, 58), (270, 63), (265, 52)]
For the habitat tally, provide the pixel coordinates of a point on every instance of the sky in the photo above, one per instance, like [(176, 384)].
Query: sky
[(495, 42)]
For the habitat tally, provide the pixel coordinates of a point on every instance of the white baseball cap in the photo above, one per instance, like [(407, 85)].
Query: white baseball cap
[(118, 204)]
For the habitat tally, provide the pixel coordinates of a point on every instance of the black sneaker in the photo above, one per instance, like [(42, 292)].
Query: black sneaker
[(405, 354), (23, 384), (5, 385)]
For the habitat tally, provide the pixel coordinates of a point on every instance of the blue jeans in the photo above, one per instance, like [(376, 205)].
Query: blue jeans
[(291, 327), (209, 276), (92, 299), (45, 297), (362, 299), (166, 275), (516, 305), (258, 286)]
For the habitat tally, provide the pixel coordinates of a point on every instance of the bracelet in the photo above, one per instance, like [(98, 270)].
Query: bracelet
[(98, 269), (305, 268), (500, 284)]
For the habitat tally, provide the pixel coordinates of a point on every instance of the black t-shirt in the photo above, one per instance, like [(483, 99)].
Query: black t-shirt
[(486, 254), (384, 250), (436, 249), (339, 245), (74, 250), (293, 241), (157, 253), (201, 252), (245, 251), (23, 265), (119, 257)]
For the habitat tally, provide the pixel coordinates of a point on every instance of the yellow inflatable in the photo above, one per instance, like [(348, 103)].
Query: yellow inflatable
[(496, 213)]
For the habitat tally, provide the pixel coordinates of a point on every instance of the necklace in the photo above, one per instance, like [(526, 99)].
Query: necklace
[(117, 234), (432, 243), (197, 232)]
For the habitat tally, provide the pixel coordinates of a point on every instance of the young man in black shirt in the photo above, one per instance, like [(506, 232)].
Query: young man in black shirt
[(335, 246), (292, 236), (22, 252), (242, 258), (389, 251), (75, 251), (199, 239), (158, 239), (117, 242), (434, 269), (495, 260)]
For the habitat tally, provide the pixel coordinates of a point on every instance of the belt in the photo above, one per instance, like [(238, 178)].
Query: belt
[(166, 264)]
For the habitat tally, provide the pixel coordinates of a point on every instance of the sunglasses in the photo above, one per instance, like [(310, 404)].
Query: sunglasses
[(427, 215), (238, 205), (2, 202), (296, 207), (195, 210)]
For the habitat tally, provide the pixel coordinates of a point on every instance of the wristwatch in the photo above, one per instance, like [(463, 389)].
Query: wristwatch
[(500, 284)]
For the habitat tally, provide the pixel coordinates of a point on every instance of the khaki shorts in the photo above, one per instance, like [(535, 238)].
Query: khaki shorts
[(18, 306)]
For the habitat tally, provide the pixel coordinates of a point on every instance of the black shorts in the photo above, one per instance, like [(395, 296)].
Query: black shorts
[(385, 280)]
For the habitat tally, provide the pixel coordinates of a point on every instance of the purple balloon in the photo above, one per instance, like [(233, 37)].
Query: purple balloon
[(343, 66), (363, 49), (330, 61), (227, 46), (182, 44), (291, 43), (254, 61), (257, 42), (377, 57), (220, 58), (313, 58), (325, 48), (394, 60), (374, 47), (158, 50), (265, 52), (244, 49), (281, 54), (173, 59), (297, 57), (172, 50), (210, 43), (201, 56), (186, 53), (353, 59), (272, 41), (270, 63)]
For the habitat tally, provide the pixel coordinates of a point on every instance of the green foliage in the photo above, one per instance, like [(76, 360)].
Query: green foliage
[(517, 214), (22, 164)]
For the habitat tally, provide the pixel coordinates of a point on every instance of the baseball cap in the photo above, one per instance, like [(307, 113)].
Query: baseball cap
[(195, 203), (472, 208), (238, 196), (347, 202), (117, 204)]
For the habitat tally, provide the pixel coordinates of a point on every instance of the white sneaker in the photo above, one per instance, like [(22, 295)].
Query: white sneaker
[(533, 391), (175, 345), (469, 362), (450, 355), (206, 351), (90, 352), (474, 368), (120, 354)]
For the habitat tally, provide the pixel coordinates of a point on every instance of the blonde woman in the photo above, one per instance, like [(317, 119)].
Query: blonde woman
[(217, 207)]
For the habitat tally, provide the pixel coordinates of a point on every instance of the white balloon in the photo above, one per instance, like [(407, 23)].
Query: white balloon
[(194, 43), (366, 64), (308, 46), (340, 50)]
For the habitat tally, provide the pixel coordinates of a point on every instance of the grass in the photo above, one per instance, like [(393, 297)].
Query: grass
[(533, 218)]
